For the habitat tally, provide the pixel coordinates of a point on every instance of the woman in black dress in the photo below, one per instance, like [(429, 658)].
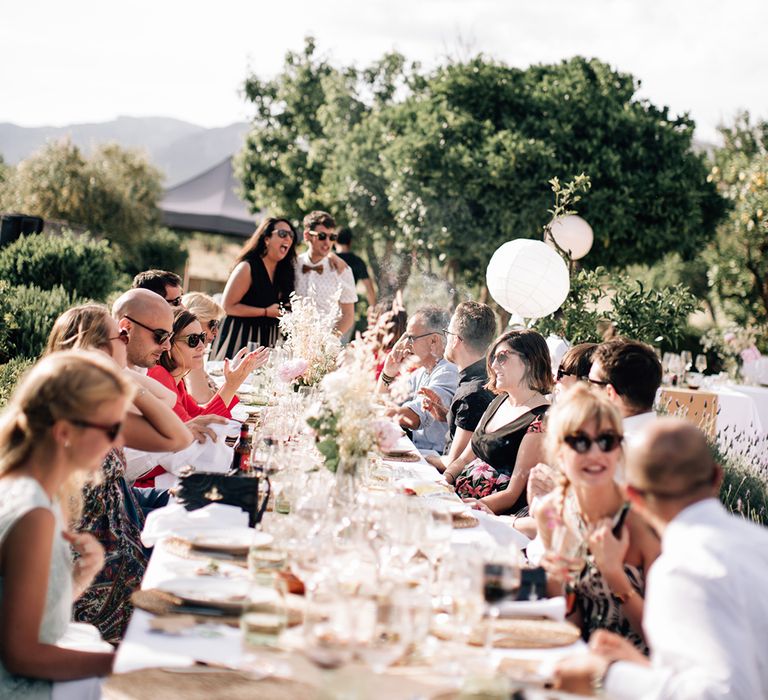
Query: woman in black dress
[(508, 441), (258, 288)]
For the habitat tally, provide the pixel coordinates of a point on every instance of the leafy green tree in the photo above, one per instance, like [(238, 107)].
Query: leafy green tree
[(449, 165), (738, 258)]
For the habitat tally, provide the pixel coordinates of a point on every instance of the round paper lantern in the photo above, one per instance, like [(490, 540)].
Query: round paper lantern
[(573, 235), (528, 278)]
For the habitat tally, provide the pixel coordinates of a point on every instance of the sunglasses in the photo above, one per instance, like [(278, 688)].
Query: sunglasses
[(597, 382), (582, 443), (562, 373), (502, 356), (447, 332), (410, 338), (282, 233), (111, 431), (160, 335), (174, 302), (324, 236), (122, 336), (193, 339), (213, 325)]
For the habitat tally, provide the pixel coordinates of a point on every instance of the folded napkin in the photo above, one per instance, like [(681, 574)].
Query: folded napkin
[(208, 456), (176, 520), (551, 608)]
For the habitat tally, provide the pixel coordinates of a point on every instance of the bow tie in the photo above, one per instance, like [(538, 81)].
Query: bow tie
[(309, 268)]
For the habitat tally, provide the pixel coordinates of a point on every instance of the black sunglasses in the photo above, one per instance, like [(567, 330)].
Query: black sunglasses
[(562, 373), (213, 324), (322, 236), (111, 431), (174, 302), (193, 339), (122, 336), (282, 233), (597, 382), (159, 334), (582, 443)]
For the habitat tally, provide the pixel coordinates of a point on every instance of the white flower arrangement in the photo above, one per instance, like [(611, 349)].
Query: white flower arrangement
[(345, 420), (310, 336)]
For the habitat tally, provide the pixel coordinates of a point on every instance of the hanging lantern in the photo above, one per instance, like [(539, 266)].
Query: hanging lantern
[(573, 235), (528, 278)]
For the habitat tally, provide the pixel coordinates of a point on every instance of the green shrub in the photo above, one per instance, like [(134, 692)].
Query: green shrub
[(29, 313), (160, 249), (80, 264), (10, 373)]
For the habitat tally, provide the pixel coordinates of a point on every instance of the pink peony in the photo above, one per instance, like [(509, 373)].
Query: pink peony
[(291, 369), (750, 354), (387, 434)]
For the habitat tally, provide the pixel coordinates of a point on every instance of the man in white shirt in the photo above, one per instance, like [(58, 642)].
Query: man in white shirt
[(315, 276), (706, 611), (630, 374)]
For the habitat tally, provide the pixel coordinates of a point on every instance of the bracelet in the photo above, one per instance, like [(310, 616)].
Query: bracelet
[(387, 379), (598, 682)]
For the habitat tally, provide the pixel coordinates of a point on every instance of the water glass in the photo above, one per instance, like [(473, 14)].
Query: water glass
[(265, 614)]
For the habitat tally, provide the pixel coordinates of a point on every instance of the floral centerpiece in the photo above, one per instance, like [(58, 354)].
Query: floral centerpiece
[(345, 418), (736, 346), (311, 341)]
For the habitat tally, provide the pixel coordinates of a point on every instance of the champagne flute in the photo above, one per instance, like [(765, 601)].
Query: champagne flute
[(701, 363)]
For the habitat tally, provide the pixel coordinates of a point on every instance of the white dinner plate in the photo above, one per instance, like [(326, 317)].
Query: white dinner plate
[(232, 541), (223, 593)]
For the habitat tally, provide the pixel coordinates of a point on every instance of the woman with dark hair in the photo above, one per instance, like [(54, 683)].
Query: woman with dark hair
[(493, 469), (575, 365), (186, 353), (258, 288)]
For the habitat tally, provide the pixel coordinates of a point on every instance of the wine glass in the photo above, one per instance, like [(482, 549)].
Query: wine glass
[(328, 629), (381, 630), (687, 359), (438, 530), (701, 363)]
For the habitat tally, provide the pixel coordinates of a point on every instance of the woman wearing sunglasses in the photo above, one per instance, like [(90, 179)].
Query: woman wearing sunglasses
[(574, 366), (492, 472), (258, 288), (62, 420), (199, 385), (584, 440), (110, 510), (187, 349)]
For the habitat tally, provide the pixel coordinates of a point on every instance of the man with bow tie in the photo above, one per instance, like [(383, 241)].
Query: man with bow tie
[(316, 277)]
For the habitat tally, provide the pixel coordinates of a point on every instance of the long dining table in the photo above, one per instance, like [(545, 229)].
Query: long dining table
[(165, 661)]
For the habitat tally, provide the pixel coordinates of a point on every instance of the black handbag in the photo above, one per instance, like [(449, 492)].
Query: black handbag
[(198, 489)]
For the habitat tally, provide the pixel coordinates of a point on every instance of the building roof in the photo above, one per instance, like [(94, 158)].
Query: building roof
[(208, 202)]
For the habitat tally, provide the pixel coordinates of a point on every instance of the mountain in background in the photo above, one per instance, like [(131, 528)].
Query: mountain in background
[(179, 149)]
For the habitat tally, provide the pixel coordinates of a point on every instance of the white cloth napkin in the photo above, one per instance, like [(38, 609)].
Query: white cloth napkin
[(176, 520), (208, 456), (551, 608)]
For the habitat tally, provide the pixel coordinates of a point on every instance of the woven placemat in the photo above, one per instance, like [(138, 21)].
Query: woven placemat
[(197, 684), (183, 548), (160, 602), (463, 520), (528, 634), (402, 457)]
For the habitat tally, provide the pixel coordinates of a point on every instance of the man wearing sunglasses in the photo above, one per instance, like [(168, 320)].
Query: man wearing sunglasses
[(706, 612), (630, 374), (148, 320), (315, 275), (166, 284)]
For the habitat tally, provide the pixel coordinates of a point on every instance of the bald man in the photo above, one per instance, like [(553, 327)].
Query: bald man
[(706, 608)]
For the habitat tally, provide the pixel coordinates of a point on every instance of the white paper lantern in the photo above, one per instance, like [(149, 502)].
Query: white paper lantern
[(573, 235), (528, 277)]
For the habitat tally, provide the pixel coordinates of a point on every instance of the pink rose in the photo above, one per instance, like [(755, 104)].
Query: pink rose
[(291, 369), (729, 337)]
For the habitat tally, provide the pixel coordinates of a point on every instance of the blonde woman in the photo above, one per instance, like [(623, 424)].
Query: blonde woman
[(112, 510), (583, 439), (64, 417), (199, 385)]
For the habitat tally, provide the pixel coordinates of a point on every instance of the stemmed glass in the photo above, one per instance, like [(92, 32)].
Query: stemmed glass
[(438, 530), (381, 629), (701, 363)]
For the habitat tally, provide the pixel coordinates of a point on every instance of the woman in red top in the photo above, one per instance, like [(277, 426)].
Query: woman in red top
[(187, 347)]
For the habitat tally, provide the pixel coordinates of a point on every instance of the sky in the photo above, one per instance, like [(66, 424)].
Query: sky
[(86, 61)]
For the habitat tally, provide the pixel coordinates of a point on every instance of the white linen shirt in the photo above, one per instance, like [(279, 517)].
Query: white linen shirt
[(322, 287), (706, 612)]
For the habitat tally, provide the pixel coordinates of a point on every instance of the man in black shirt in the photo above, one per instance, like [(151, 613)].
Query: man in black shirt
[(359, 269), (470, 332)]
